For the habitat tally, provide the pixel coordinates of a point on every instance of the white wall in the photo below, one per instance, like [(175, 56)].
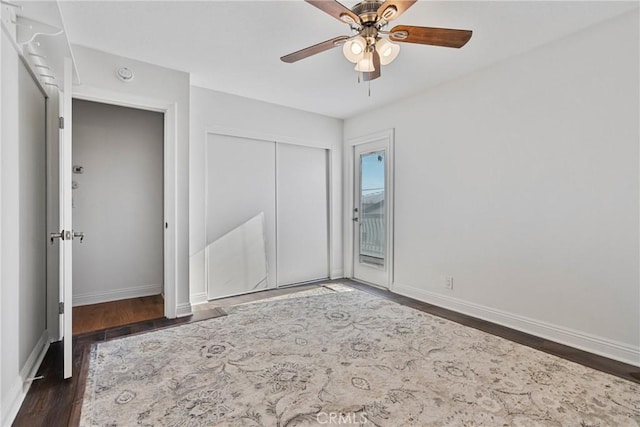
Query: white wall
[(223, 113), (10, 232), (153, 84), (3, 334), (118, 202), (521, 182)]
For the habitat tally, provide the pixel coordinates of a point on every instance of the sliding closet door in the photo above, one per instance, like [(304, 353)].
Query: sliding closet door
[(241, 221), (302, 214)]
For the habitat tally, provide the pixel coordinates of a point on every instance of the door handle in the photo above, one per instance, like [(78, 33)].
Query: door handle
[(53, 236), (66, 235), (355, 219)]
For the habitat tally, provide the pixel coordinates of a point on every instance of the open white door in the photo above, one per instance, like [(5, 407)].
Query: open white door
[(66, 240)]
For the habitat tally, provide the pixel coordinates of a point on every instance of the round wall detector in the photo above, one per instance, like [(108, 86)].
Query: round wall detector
[(124, 74)]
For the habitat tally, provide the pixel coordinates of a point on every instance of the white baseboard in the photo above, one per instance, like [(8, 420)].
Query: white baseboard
[(12, 401), (183, 310), (593, 344), (199, 298), (32, 364), (337, 274), (116, 294), (16, 394)]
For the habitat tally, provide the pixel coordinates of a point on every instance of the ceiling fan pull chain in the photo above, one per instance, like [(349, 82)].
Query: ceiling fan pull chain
[(369, 88)]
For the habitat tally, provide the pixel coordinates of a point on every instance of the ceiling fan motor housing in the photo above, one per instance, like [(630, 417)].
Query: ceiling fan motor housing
[(370, 34), (368, 11)]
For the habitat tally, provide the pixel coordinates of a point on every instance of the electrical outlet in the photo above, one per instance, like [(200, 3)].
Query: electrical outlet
[(448, 282)]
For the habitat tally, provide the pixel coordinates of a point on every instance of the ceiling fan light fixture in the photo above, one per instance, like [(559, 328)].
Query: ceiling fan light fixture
[(365, 65), (388, 51), (353, 49)]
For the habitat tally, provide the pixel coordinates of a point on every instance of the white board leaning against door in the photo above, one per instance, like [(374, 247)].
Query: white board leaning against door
[(237, 261)]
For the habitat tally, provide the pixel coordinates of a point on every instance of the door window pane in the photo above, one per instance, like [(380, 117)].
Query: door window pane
[(372, 208)]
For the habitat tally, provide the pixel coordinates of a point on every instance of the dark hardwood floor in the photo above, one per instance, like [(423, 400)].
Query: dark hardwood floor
[(53, 401), (600, 363), (94, 317)]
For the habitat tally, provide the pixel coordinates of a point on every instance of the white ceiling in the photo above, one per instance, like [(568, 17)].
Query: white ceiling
[(235, 46)]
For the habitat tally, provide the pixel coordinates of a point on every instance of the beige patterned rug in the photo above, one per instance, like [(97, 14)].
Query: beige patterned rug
[(342, 358)]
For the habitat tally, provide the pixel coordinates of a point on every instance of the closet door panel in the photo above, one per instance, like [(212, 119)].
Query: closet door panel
[(240, 188), (302, 214)]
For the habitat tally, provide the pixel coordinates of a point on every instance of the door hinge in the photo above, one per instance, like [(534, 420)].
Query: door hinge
[(61, 122), (60, 308)]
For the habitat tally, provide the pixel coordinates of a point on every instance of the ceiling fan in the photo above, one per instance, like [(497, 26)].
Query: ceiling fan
[(371, 46)]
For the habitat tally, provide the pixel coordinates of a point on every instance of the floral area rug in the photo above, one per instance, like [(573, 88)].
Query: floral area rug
[(337, 359)]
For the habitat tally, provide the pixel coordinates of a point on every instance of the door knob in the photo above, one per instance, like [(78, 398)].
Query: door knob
[(79, 234), (53, 236), (63, 235)]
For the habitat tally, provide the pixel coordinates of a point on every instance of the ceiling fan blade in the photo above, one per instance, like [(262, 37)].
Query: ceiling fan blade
[(335, 9), (376, 65), (312, 50), (432, 36), (397, 8)]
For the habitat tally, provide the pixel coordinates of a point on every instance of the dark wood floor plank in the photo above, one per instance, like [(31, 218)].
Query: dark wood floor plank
[(110, 314), (56, 402)]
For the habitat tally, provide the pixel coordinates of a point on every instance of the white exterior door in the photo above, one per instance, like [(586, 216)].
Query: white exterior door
[(372, 220)]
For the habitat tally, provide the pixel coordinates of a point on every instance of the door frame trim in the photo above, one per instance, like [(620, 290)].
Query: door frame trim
[(348, 200), (170, 178)]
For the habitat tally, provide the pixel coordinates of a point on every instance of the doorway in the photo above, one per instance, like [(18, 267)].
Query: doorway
[(118, 203), (372, 212)]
